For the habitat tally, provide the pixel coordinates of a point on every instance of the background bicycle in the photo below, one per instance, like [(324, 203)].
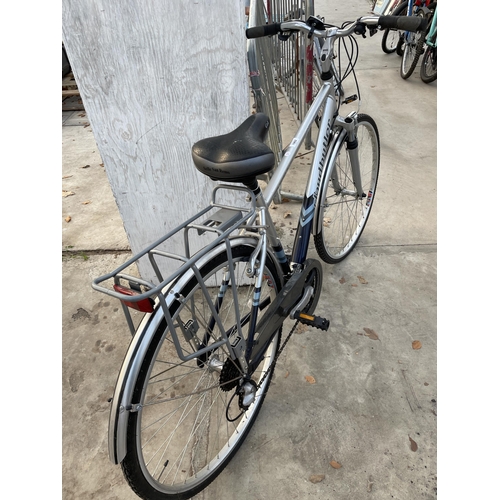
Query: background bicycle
[(390, 37), (412, 44)]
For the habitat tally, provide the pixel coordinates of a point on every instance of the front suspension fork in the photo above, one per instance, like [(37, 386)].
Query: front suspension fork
[(350, 124)]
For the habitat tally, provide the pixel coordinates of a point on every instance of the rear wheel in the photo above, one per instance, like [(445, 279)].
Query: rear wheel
[(189, 422), (342, 213)]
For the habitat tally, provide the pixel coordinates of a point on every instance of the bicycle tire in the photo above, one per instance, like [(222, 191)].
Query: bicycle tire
[(342, 216), (412, 52), (391, 37), (428, 68), (400, 46), (401, 43), (414, 49), (189, 423)]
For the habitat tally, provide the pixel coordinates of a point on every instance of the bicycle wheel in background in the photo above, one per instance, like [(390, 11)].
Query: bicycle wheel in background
[(413, 48), (400, 47), (342, 214), (391, 37), (190, 424), (414, 43), (428, 69)]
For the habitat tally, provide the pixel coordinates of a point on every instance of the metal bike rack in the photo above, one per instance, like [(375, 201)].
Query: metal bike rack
[(291, 58), (263, 82), (283, 67)]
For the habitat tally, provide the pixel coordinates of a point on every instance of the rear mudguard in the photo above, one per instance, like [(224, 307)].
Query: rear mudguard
[(122, 399)]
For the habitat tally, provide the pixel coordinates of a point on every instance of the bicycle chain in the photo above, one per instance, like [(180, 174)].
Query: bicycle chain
[(273, 364)]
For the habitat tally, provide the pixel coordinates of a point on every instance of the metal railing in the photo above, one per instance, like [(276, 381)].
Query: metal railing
[(293, 68), (284, 66), (263, 77)]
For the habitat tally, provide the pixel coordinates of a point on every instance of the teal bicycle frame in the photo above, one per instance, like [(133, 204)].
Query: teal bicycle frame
[(431, 38)]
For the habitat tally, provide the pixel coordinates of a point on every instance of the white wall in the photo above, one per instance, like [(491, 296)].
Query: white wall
[(155, 76)]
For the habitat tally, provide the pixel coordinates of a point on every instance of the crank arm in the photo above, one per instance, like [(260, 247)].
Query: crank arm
[(308, 293)]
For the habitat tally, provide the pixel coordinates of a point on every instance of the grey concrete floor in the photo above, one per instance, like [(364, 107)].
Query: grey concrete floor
[(373, 408)]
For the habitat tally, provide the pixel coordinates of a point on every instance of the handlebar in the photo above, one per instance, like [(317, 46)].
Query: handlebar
[(266, 30), (406, 23)]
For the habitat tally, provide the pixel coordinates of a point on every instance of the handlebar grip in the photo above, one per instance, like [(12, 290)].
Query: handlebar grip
[(265, 30), (406, 23)]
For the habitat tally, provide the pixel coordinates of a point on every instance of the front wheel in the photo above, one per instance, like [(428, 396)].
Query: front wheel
[(342, 213), (189, 423)]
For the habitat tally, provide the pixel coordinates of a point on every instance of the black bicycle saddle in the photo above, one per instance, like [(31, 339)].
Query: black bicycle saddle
[(239, 156)]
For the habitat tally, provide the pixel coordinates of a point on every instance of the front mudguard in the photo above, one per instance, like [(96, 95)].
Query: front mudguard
[(328, 170)]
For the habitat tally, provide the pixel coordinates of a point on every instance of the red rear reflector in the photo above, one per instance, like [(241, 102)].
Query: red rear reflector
[(145, 305)]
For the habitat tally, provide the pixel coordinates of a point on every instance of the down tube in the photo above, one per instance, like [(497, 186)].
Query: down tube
[(306, 218)]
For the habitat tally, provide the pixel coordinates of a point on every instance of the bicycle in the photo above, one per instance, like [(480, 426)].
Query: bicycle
[(412, 7), (412, 42), (428, 69), (201, 360)]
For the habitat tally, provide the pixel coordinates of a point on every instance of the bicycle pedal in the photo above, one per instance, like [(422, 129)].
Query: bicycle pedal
[(316, 321), (350, 99)]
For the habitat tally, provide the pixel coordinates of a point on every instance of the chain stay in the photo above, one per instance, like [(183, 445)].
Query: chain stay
[(273, 364)]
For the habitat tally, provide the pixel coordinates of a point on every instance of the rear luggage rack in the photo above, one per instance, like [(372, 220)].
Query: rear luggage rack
[(216, 220)]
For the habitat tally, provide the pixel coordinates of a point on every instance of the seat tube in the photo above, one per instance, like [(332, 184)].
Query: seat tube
[(266, 219)]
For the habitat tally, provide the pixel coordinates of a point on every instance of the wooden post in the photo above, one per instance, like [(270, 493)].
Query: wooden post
[(155, 76)]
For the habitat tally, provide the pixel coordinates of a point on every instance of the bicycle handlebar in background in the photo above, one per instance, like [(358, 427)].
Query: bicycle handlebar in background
[(406, 23), (266, 30)]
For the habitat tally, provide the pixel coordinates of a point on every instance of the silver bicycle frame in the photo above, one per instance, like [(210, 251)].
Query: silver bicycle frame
[(122, 402)]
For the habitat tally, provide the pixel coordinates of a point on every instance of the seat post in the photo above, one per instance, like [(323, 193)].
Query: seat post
[(252, 184)]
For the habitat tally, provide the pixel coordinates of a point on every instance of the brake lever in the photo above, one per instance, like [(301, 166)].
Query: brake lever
[(284, 36)]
